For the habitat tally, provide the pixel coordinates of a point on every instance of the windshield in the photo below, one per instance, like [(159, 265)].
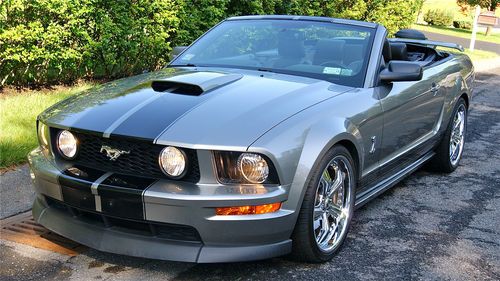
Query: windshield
[(334, 52)]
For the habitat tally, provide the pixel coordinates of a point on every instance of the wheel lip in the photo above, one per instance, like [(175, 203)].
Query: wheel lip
[(455, 157), (347, 209)]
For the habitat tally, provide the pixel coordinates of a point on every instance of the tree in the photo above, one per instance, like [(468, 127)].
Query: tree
[(394, 14), (491, 5)]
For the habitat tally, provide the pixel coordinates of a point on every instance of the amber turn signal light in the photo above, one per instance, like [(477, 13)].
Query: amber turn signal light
[(248, 210)]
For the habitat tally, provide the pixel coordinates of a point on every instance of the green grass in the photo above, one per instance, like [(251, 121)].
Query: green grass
[(457, 32), (480, 55), (18, 112)]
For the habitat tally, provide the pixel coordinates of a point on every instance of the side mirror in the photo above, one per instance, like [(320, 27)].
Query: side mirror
[(401, 71), (177, 50)]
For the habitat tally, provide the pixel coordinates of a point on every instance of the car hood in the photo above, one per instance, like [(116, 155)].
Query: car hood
[(210, 107)]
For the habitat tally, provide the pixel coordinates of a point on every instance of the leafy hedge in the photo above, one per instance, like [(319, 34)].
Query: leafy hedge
[(464, 24), (54, 41), (439, 17), (59, 41)]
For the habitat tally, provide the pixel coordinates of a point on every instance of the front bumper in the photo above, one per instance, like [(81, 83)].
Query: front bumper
[(177, 204)]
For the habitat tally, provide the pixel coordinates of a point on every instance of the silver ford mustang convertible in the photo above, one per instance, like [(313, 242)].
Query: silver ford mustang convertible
[(258, 140)]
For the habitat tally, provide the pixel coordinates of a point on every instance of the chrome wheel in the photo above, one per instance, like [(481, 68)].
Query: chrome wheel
[(457, 136), (332, 204)]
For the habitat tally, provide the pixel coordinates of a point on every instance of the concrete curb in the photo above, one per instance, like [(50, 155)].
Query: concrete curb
[(486, 64), (16, 192)]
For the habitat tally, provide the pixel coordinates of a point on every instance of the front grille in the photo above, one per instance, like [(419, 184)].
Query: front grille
[(142, 160), (137, 227)]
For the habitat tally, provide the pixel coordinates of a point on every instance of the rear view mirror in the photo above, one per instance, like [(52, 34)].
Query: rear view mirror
[(177, 50), (401, 71)]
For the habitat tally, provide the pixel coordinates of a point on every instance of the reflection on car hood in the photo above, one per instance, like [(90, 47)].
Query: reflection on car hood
[(191, 107)]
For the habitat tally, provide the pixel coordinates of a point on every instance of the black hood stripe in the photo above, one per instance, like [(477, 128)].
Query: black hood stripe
[(119, 121), (150, 119), (97, 112)]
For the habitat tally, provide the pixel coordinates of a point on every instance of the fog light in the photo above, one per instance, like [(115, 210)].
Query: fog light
[(248, 210), (67, 144), (173, 162)]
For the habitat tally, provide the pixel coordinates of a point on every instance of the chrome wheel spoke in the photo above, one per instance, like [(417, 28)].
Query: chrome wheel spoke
[(456, 150), (318, 212), (325, 226), (335, 210), (337, 183), (326, 182), (331, 233), (458, 121)]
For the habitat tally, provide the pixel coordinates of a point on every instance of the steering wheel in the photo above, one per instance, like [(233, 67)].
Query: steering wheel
[(332, 64), (258, 59)]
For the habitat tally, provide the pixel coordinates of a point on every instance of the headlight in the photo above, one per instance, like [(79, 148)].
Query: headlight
[(67, 144), (43, 135), (244, 168), (173, 162), (253, 167)]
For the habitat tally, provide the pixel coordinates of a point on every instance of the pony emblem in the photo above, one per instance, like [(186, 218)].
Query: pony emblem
[(113, 153)]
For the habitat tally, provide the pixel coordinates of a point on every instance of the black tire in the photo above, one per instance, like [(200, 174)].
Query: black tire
[(304, 245), (442, 161)]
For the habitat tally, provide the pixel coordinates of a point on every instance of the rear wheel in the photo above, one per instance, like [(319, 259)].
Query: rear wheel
[(327, 208), (449, 151)]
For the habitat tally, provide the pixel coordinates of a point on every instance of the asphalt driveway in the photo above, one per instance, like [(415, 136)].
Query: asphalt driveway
[(430, 226), (479, 45)]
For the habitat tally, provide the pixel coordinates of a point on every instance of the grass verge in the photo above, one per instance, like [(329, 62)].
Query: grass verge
[(18, 112), (462, 33), (480, 55)]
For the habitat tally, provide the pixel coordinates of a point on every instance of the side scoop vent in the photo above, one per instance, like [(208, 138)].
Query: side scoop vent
[(194, 83)]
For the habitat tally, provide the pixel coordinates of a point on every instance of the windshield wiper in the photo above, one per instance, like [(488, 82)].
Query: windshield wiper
[(266, 70), (181, 65)]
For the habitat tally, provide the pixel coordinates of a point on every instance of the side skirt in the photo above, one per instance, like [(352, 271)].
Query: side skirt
[(387, 183)]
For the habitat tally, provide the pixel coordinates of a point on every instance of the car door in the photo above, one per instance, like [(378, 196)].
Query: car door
[(411, 114)]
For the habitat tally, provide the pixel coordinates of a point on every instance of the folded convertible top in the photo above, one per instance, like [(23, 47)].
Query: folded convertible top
[(428, 43)]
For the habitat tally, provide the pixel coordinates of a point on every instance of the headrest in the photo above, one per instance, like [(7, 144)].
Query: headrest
[(399, 51), (328, 50), (386, 51), (353, 52), (290, 45), (410, 34)]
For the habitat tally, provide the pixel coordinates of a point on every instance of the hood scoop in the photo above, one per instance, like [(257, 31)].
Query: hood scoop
[(194, 83)]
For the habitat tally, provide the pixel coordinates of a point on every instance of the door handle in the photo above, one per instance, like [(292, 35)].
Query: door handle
[(435, 88)]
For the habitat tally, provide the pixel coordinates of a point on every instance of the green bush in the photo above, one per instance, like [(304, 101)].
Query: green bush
[(439, 17), (394, 14), (59, 41), (464, 24), (196, 17)]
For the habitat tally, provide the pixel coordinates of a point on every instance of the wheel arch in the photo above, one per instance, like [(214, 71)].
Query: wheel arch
[(465, 96), (351, 147), (348, 139)]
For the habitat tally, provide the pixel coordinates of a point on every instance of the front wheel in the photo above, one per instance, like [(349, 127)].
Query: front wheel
[(449, 151), (327, 208)]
